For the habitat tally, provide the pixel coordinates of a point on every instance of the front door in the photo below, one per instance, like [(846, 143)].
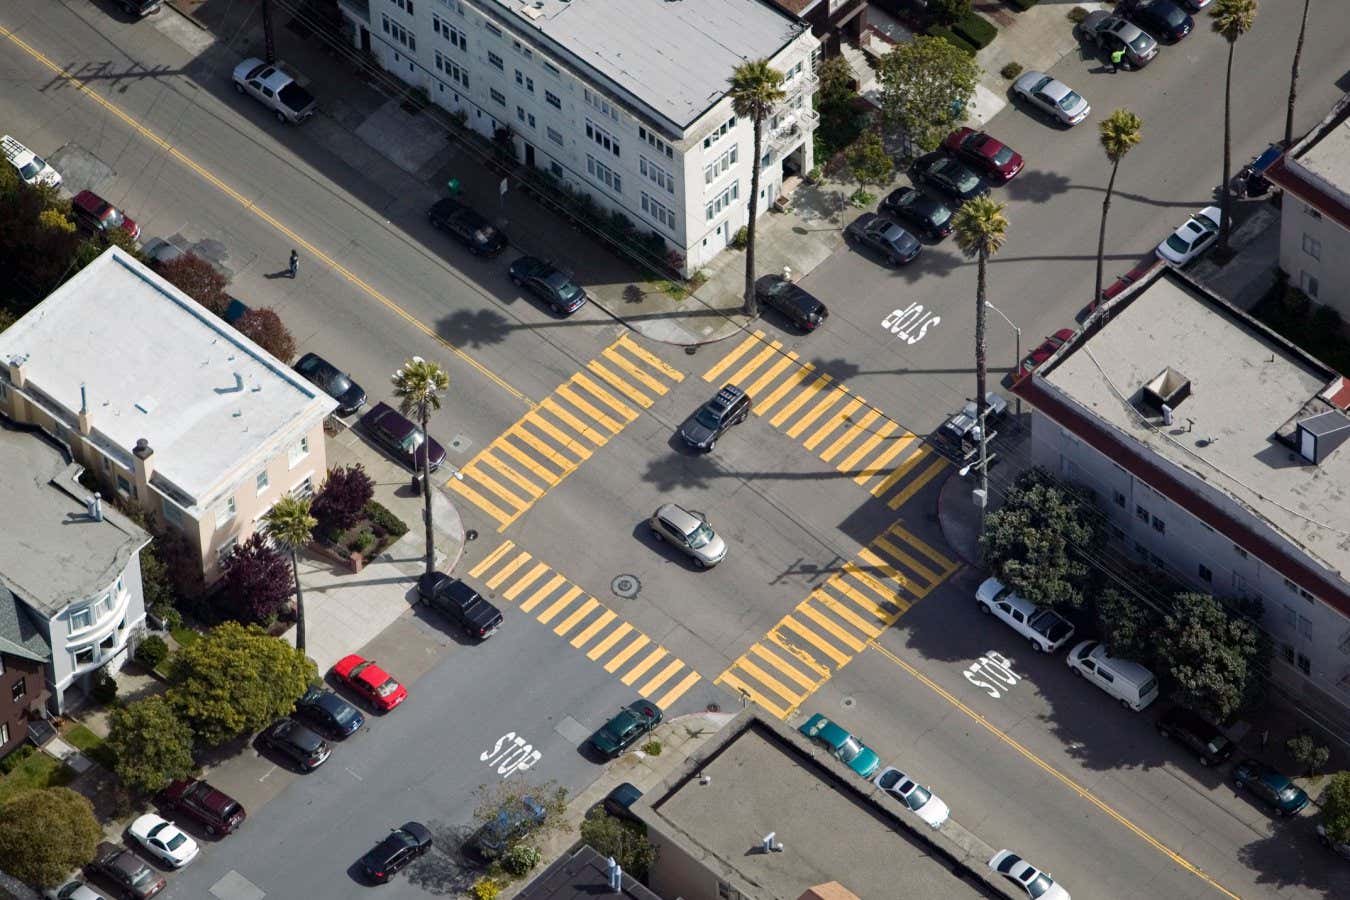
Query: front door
[(365, 39), (529, 154)]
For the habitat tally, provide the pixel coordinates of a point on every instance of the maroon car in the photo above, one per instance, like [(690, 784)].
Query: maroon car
[(217, 811), (994, 159), (1047, 349), (388, 428), (100, 216)]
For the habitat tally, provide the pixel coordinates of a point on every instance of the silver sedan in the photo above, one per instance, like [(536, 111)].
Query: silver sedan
[(1052, 97)]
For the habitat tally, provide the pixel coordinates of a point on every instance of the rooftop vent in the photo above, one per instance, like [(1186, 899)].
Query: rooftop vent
[(1320, 434), (1168, 388)]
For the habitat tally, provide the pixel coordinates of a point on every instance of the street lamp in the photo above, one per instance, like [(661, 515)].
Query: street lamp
[(1016, 362)]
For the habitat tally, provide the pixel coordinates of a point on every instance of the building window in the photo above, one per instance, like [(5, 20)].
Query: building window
[(552, 99), (299, 450), (658, 212), (655, 142), (492, 29), (1309, 211), (1140, 513), (1308, 283), (602, 137), (722, 164), (172, 514), (20, 688), (1290, 616), (224, 550), (604, 174), (1205, 574), (261, 481), (525, 81), (522, 49), (226, 512), (1120, 499), (123, 485), (81, 618), (549, 67), (554, 135), (304, 489), (1305, 665), (1288, 651), (1159, 525), (1312, 246), (398, 32), (449, 32), (556, 169), (84, 656), (1305, 626), (4, 733), (659, 176), (719, 133), (108, 644), (449, 67), (723, 200), (405, 5), (496, 61), (604, 106), (1239, 551), (497, 95), (1306, 595)]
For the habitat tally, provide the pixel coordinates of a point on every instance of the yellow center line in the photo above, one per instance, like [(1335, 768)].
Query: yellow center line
[(1054, 773), (252, 207)]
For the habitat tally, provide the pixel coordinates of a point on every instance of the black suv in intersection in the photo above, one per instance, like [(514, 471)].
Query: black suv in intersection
[(1196, 734), (730, 407), (468, 227), (479, 618)]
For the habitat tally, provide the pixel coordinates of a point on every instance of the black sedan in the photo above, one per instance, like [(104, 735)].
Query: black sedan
[(549, 283), (920, 211), (402, 846), (329, 713), (1163, 19), (333, 382), (297, 743), (388, 428), (799, 307), (948, 176), (884, 236), (468, 227)]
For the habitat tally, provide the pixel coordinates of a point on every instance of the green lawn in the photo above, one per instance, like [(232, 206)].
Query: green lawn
[(91, 745), (185, 636), (38, 771)]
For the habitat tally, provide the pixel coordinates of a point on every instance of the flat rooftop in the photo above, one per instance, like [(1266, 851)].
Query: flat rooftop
[(1245, 385), (1328, 158), (582, 875), (157, 365), (52, 552), (675, 57), (761, 783)]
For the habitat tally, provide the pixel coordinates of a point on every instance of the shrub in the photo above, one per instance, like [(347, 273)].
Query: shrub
[(486, 888), (362, 542), (520, 859), (979, 31), (740, 238), (105, 689), (1022, 5), (12, 761), (652, 748), (257, 580), (342, 498), (861, 198), (171, 617), (264, 328), (198, 279), (381, 516), (1076, 15), (951, 37), (1011, 70), (152, 651), (948, 11), (1305, 751)]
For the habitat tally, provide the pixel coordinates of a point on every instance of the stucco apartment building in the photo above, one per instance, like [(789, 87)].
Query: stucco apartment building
[(624, 100), (1315, 214), (167, 405), (1214, 448), (71, 601)]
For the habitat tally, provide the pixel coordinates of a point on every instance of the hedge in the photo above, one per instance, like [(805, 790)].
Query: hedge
[(979, 32), (1022, 5), (951, 37)]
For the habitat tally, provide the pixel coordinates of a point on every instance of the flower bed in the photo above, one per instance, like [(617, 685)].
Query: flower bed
[(372, 534)]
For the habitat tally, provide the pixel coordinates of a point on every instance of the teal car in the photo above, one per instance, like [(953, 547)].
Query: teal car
[(1273, 789), (844, 746)]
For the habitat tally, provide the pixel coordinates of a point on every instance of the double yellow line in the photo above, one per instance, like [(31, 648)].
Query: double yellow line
[(262, 214)]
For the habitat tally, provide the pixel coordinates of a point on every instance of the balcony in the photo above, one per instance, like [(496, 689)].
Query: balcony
[(791, 129), (805, 83)]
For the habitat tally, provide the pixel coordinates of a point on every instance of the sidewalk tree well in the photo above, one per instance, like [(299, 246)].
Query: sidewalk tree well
[(257, 582), (418, 385), (756, 89), (1215, 660), (198, 279), (1127, 624), (625, 841), (1036, 543), (263, 327), (508, 796), (45, 833), (344, 493), (868, 161), (237, 679), (1336, 808), (926, 85), (290, 525), (152, 745), (1231, 20)]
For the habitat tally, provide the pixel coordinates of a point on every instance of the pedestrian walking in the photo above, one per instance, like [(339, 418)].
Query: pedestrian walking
[(1117, 57), (295, 263)]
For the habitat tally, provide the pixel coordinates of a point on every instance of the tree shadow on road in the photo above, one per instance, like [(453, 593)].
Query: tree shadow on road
[(474, 328)]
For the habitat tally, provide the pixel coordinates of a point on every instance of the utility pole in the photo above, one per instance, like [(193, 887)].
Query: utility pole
[(982, 495), (269, 42)]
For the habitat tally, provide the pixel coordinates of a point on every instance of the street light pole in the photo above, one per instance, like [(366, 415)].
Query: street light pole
[(1018, 360), (269, 42)]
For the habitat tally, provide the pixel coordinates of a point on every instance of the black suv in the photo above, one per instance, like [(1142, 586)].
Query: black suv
[(1202, 738), (479, 618), (796, 304), (468, 227), (730, 407)]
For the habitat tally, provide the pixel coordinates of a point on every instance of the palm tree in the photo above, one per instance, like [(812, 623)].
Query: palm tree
[(979, 228), (756, 88), (1118, 132), (418, 386), (1293, 78), (290, 525), (1232, 19)]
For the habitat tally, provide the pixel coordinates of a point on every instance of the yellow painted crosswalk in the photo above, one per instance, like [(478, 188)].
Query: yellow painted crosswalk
[(585, 623), (829, 420), (548, 443), (832, 625)]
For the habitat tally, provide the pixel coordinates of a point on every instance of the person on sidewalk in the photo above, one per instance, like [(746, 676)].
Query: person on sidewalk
[(295, 263), (1117, 57)]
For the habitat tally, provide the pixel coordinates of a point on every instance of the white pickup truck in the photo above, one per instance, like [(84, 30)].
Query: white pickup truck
[(275, 89), (32, 168)]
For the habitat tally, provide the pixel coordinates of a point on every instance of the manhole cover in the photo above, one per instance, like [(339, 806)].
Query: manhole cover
[(848, 701), (690, 349), (714, 707), (625, 586), (471, 534), (460, 443)]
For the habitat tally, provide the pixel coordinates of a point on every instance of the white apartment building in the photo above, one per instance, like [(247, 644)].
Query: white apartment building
[(623, 99)]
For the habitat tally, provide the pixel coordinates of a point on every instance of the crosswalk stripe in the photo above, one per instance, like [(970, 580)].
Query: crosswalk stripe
[(769, 681), (815, 639), (610, 640), (862, 575), (798, 653), (755, 362), (581, 612), (592, 629), (867, 446), (824, 621), (490, 560), (800, 374), (660, 678), (726, 362), (641, 668), (863, 601), (919, 481), (589, 409), (605, 397), (517, 477), (859, 427), (548, 476), (878, 465), (560, 604), (546, 591), (948, 566), (525, 581), (679, 690), (564, 440), (595, 437), (503, 517), (871, 629), (785, 360), (833, 396), (505, 572), (798, 401), (745, 689), (634, 370), (622, 656), (890, 571), (518, 503), (537, 443), (783, 666), (910, 562), (900, 471), (618, 383), (834, 421), (650, 358)]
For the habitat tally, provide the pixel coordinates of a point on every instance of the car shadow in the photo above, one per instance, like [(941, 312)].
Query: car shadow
[(442, 623)]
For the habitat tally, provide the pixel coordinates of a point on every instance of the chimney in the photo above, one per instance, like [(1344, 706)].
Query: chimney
[(615, 875), (86, 424), (144, 468), (95, 506), (16, 373)]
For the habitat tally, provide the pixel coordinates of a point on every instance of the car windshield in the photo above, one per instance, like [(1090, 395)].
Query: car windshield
[(338, 383), (1003, 156), (343, 714), (940, 215), (29, 171), (1038, 885), (176, 841), (569, 290), (917, 797), (1288, 793), (114, 218), (140, 876), (961, 177), (1141, 43), (414, 440), (1172, 15), (1069, 101), (1178, 243), (708, 418), (484, 234), (848, 751), (700, 536), (387, 688)]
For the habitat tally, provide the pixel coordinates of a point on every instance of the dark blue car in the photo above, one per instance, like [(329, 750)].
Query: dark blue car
[(328, 712)]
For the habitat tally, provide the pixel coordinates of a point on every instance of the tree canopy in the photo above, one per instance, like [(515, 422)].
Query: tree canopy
[(198, 279), (868, 160), (45, 833), (625, 841), (153, 746), (257, 582), (345, 492), (1336, 808), (264, 328), (1215, 660), (925, 87)]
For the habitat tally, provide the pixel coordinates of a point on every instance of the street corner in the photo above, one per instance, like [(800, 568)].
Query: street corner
[(681, 313), (959, 517)]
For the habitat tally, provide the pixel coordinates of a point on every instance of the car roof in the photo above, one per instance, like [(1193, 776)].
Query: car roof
[(678, 516)]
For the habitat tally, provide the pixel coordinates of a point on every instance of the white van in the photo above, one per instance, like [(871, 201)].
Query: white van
[(33, 169), (1130, 683)]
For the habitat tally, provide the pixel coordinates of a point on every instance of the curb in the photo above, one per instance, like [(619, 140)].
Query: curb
[(186, 15), (943, 526)]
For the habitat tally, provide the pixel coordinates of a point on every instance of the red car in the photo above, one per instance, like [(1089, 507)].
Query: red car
[(98, 215), (1045, 350), (372, 682), (996, 160)]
